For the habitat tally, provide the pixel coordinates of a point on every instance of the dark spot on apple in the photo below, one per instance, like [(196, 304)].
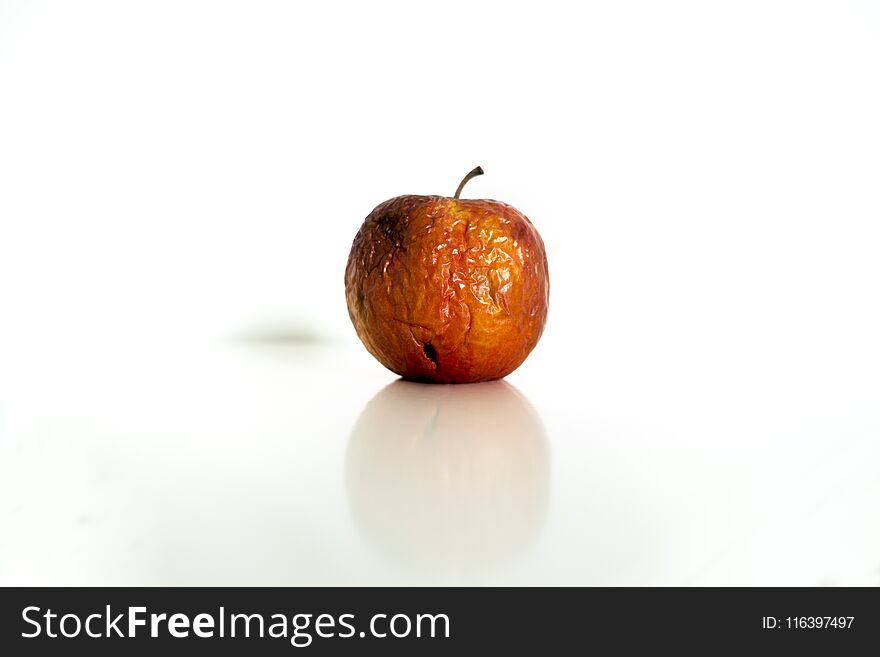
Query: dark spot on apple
[(392, 226), (430, 353)]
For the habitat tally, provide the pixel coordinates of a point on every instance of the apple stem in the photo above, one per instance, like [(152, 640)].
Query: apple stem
[(473, 174)]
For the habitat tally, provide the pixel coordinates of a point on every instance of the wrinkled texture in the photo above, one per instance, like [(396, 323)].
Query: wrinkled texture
[(447, 290)]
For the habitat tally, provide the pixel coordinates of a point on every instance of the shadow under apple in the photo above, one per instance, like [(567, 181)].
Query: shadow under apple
[(448, 478)]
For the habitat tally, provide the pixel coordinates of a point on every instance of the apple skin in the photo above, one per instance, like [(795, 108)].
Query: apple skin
[(448, 290)]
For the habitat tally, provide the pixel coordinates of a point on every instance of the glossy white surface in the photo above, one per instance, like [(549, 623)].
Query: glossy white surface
[(704, 406), (290, 463)]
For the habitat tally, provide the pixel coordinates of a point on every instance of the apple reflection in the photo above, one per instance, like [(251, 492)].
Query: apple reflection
[(448, 477)]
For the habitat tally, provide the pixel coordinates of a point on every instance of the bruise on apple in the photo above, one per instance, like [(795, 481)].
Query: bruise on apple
[(430, 353), (447, 290)]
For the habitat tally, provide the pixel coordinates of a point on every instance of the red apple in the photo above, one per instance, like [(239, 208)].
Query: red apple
[(448, 290)]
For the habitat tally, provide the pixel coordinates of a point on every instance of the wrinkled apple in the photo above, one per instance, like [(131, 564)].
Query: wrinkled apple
[(448, 290)]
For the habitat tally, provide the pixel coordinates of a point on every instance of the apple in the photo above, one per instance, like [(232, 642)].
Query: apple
[(448, 290)]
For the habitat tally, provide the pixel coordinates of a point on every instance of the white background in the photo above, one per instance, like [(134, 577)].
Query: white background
[(180, 386)]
